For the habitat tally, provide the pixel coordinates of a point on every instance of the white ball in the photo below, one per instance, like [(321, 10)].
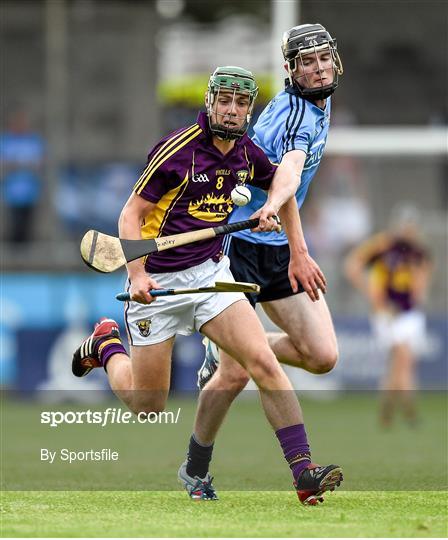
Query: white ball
[(241, 195)]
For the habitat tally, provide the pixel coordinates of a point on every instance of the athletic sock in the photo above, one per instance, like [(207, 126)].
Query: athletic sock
[(109, 347), (198, 458), (295, 448)]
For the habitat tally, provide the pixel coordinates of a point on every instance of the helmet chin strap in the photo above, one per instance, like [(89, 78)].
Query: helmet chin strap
[(314, 93), (225, 133)]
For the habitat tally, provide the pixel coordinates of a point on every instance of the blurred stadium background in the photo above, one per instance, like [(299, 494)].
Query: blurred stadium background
[(89, 86)]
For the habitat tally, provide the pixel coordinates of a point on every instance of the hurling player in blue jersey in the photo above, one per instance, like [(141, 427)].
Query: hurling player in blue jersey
[(292, 129)]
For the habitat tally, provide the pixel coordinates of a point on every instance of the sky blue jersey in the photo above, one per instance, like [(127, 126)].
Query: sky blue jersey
[(288, 122)]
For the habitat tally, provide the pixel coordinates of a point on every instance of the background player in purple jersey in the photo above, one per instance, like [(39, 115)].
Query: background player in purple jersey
[(392, 269), (186, 185)]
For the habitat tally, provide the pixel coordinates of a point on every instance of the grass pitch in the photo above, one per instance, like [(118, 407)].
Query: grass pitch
[(395, 481), (237, 514)]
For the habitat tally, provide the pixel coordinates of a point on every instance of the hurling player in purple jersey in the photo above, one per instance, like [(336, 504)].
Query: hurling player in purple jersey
[(392, 269), (186, 185)]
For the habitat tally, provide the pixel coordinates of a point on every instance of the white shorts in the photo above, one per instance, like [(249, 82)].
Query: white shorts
[(408, 328), (184, 314)]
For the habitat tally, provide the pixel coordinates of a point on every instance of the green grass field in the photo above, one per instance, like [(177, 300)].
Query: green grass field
[(395, 481), (237, 514)]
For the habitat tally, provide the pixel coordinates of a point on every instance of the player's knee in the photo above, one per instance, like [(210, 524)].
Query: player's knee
[(325, 360), (233, 382), (148, 402), (264, 368)]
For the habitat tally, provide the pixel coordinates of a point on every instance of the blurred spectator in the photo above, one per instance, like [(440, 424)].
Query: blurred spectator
[(392, 269), (22, 154)]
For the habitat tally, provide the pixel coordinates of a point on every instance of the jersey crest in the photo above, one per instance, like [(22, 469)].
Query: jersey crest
[(144, 327), (242, 176), (212, 207)]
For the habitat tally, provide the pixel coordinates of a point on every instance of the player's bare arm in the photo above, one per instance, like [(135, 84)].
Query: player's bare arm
[(134, 212), (284, 185), (356, 270), (302, 267), (357, 260), (421, 277)]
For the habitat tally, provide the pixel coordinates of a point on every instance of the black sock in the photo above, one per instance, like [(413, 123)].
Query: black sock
[(198, 458)]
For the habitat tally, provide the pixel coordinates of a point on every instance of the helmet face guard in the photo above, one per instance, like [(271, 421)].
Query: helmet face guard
[(233, 81), (305, 40)]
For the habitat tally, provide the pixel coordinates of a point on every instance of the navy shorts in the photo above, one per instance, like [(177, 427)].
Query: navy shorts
[(262, 264)]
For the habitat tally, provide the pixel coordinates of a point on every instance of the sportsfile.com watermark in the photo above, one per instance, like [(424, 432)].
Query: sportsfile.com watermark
[(109, 416)]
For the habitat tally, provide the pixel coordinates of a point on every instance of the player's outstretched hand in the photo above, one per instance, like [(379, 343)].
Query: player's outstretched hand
[(303, 268), (140, 287), (268, 219)]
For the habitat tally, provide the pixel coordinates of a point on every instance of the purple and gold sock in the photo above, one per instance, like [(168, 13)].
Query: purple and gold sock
[(295, 448), (108, 348)]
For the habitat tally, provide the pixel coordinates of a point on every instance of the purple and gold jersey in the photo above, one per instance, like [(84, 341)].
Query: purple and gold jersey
[(392, 269), (190, 180)]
